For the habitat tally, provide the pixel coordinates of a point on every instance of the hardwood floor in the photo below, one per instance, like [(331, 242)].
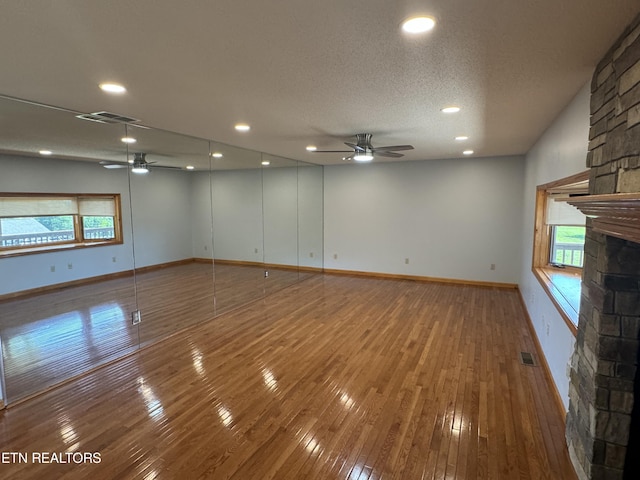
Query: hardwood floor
[(334, 378), (54, 336)]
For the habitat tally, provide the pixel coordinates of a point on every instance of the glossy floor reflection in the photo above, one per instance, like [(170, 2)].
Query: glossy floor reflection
[(335, 378), (51, 337)]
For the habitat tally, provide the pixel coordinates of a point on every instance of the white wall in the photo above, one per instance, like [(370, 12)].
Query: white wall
[(237, 215), (201, 215), (559, 153), (451, 218), (280, 215), (161, 209)]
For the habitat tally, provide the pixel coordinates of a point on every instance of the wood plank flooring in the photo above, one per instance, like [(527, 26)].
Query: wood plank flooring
[(334, 378), (54, 336)]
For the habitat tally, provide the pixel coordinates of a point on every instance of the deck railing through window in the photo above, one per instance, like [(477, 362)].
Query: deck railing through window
[(43, 238), (567, 254)]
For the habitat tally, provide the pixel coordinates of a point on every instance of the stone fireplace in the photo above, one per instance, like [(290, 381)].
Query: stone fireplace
[(602, 422)]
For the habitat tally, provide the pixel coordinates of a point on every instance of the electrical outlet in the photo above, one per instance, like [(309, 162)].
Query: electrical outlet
[(52, 268), (255, 250), (113, 259), (136, 317), (206, 248), (69, 266), (406, 261), (335, 256), (266, 273), (493, 266), (310, 254)]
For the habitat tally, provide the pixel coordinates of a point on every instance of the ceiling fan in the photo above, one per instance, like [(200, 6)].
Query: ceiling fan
[(139, 164), (363, 151)]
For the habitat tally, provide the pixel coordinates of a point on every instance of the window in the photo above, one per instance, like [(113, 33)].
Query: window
[(32, 223), (567, 246), (558, 250)]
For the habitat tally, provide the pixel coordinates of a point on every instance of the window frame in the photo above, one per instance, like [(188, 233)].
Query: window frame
[(541, 265), (80, 241)]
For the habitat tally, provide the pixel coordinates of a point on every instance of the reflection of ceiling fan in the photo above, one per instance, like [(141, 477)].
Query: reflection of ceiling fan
[(139, 164), (363, 151)]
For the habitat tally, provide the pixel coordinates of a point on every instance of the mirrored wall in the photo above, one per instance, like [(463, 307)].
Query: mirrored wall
[(123, 235)]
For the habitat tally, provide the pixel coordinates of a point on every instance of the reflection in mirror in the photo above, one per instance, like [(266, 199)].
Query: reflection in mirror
[(171, 216), (139, 231), (66, 288), (310, 219), (236, 185), (280, 221)]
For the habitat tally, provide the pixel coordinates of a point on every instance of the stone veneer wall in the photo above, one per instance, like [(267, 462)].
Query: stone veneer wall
[(604, 364)]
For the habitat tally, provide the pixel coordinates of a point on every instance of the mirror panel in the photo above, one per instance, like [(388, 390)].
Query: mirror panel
[(236, 185), (64, 310), (280, 221), (310, 219), (171, 212)]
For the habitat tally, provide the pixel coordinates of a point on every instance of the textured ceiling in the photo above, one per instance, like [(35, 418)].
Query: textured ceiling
[(306, 72)]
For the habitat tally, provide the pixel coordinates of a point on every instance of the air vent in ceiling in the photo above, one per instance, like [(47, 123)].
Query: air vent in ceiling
[(106, 117)]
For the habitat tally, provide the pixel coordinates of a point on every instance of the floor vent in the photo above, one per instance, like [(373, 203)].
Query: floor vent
[(527, 359)]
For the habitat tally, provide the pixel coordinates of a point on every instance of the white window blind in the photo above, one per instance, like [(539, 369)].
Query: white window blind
[(43, 206), (559, 212), (98, 207), (37, 206)]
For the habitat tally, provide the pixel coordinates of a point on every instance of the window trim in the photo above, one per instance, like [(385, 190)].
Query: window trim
[(540, 264), (80, 241)]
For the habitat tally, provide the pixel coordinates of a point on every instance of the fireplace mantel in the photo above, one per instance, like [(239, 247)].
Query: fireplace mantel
[(615, 214)]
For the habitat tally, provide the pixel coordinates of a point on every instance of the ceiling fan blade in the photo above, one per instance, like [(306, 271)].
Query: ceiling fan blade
[(387, 154), (331, 151), (167, 167), (109, 164), (394, 147), (357, 148)]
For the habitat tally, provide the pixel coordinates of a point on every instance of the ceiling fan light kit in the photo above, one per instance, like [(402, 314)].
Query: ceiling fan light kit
[(139, 163), (365, 156)]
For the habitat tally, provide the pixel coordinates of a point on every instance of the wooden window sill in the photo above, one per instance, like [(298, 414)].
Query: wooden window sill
[(16, 252), (563, 287)]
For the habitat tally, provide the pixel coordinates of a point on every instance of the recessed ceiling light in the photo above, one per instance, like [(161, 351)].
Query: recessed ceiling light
[(190, 167), (311, 148), (45, 152), (217, 155), (468, 152), (450, 109), (112, 88), (242, 127), (462, 138), (128, 140), (418, 24), (266, 162)]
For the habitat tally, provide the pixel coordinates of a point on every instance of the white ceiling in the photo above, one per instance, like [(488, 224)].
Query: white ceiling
[(306, 72)]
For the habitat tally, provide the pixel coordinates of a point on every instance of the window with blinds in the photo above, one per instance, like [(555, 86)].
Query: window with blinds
[(32, 223), (567, 227), (558, 243)]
